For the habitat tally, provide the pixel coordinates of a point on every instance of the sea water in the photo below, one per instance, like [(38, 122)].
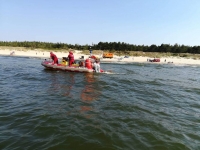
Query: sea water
[(138, 106)]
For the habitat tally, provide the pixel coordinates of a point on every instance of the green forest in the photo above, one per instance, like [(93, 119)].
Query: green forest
[(107, 46)]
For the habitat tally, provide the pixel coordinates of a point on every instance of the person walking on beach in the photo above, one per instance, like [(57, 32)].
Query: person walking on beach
[(54, 58), (71, 58)]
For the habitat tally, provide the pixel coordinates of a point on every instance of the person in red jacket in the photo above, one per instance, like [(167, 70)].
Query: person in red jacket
[(71, 58), (54, 58)]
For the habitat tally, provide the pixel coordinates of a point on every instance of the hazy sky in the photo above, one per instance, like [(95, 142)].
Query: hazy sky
[(91, 21)]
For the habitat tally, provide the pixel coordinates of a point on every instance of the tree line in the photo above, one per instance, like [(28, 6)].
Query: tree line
[(107, 46)]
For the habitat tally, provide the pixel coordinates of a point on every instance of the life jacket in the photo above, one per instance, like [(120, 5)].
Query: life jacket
[(71, 56), (54, 57), (88, 63), (64, 62)]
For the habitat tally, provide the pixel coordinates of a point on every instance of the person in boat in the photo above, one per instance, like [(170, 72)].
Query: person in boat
[(71, 58), (97, 65), (81, 63), (88, 63), (54, 58), (93, 57), (64, 61)]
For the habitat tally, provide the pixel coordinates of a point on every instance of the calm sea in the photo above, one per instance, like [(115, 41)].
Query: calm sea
[(139, 106)]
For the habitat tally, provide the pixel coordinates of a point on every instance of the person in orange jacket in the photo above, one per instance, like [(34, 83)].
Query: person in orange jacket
[(54, 58)]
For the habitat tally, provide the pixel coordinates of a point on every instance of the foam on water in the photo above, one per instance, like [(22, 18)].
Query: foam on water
[(107, 72)]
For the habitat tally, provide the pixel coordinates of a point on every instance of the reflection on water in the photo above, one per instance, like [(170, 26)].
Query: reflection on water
[(90, 93), (77, 93), (69, 85), (62, 83)]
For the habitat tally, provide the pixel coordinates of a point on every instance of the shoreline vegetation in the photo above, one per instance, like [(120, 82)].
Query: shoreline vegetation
[(127, 53)]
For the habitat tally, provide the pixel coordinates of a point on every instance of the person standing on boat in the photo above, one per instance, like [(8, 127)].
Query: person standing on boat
[(71, 58), (54, 58)]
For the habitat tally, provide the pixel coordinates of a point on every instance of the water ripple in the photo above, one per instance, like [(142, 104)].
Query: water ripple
[(137, 106)]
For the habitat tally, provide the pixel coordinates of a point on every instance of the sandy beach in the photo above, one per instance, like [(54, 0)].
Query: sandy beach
[(78, 55)]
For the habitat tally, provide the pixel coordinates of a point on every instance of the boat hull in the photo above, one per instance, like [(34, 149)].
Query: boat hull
[(49, 65)]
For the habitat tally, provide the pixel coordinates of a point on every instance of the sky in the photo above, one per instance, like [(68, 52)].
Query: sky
[(138, 22)]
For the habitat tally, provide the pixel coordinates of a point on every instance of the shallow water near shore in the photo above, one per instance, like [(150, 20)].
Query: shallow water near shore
[(132, 107)]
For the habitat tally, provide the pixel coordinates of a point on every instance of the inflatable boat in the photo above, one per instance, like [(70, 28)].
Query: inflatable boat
[(73, 68)]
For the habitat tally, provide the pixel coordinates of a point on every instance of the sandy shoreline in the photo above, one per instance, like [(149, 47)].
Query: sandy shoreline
[(78, 55)]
